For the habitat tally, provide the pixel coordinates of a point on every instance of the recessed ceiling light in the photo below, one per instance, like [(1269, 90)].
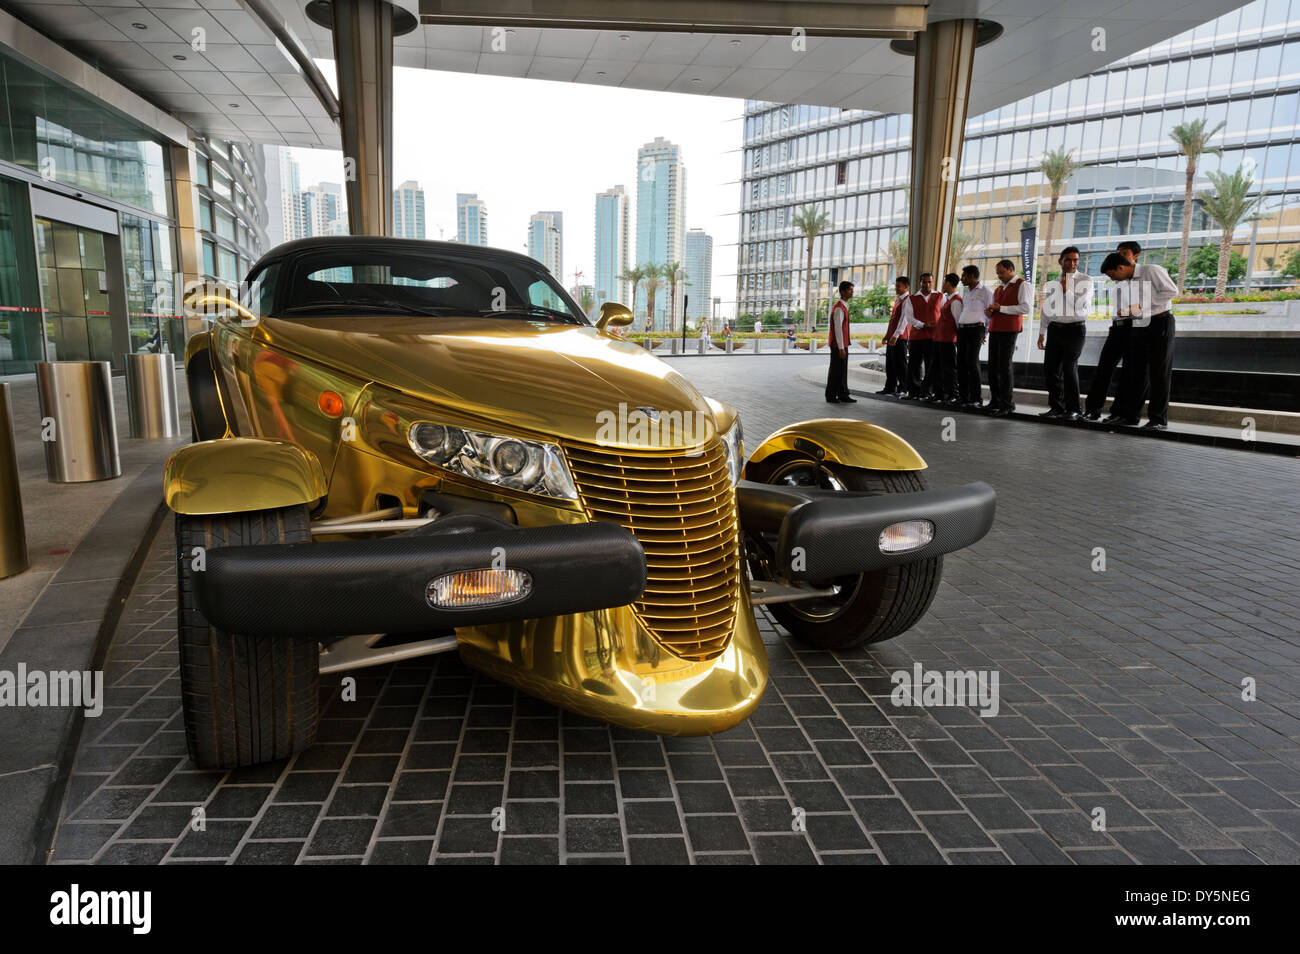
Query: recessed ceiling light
[(697, 81), (600, 72), (234, 105), (735, 43), (178, 56), (510, 32), (625, 36), (140, 26)]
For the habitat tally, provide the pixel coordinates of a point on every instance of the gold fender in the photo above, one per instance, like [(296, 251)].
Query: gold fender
[(241, 474), (842, 441)]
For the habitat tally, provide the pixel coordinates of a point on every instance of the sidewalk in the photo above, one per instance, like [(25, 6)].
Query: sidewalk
[(85, 543), (1183, 418)]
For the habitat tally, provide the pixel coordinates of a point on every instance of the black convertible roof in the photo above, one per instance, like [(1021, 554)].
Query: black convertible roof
[(322, 243)]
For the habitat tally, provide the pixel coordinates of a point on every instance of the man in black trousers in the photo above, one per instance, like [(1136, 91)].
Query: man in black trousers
[(895, 344), (837, 376), (1112, 353), (1067, 302), (972, 330), (1151, 345)]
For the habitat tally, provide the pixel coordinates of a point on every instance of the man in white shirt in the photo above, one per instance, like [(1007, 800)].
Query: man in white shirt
[(1112, 352), (1151, 347), (837, 376), (972, 330), (1011, 302), (900, 315), (1067, 302)]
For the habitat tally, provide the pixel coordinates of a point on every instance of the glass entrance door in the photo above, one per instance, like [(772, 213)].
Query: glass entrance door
[(74, 284)]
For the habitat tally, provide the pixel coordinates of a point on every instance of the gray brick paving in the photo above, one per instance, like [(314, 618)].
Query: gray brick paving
[(1120, 690)]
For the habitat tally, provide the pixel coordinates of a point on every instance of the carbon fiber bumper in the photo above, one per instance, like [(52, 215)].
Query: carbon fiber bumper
[(330, 590), (824, 534)]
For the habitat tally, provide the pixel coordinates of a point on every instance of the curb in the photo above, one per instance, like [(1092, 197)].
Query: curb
[(69, 628)]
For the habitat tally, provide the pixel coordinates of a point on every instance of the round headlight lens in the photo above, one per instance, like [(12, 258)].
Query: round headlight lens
[(429, 437), (509, 458)]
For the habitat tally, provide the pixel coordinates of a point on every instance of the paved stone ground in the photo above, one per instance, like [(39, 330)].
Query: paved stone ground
[(1120, 690)]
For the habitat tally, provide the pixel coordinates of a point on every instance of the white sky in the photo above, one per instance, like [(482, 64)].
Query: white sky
[(530, 145)]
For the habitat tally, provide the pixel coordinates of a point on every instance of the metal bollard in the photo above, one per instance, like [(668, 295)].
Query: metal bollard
[(13, 533), (758, 345), (151, 395), (730, 342), (785, 345), (77, 400), (812, 345), (704, 343), (675, 342)]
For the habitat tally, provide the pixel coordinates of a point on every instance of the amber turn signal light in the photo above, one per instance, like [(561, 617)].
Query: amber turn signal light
[(330, 403)]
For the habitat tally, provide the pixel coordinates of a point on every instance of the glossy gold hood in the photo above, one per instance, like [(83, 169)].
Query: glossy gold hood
[(559, 381)]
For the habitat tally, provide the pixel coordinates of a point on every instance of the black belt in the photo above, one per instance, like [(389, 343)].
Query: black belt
[(1123, 323)]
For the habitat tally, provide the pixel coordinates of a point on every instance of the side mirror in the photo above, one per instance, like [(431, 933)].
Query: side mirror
[(613, 315)]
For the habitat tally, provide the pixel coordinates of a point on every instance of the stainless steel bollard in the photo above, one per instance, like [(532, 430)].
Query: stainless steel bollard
[(704, 343), (730, 341), (758, 345), (151, 395), (785, 345), (13, 533), (812, 345), (675, 343), (77, 408)]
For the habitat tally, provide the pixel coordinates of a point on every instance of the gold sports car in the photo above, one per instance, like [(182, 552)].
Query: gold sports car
[(407, 447)]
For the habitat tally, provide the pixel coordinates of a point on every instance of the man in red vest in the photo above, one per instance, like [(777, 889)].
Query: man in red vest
[(895, 343), (837, 339), (943, 349), (920, 338), (1011, 302)]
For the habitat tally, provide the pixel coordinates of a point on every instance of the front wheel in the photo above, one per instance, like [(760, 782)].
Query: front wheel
[(867, 608), (246, 699)]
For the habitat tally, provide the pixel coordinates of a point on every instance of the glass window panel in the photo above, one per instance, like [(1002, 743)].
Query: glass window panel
[(1198, 73), (1243, 69), (1270, 62)]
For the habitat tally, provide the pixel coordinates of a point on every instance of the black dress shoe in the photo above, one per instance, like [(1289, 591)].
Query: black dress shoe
[(1092, 416), (1001, 412), (1073, 417), (1127, 421), (884, 391), (832, 400), (1155, 426), (848, 400), (1052, 415)]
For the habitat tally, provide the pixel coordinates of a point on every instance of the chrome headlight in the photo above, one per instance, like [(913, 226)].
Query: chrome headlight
[(530, 466), (734, 443)]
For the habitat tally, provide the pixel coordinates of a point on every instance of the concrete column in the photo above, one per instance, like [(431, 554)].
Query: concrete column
[(363, 54), (189, 242), (945, 52)]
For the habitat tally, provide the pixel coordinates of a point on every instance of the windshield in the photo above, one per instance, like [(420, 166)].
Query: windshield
[(359, 281)]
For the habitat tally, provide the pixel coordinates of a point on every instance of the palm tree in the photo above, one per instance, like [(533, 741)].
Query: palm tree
[(1192, 139), (586, 299), (653, 276), (670, 274), (1056, 166), (810, 221), (898, 247), (1227, 207), (632, 274), (960, 243)]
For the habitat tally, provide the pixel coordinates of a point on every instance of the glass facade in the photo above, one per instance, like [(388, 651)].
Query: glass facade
[(20, 299), (1242, 69)]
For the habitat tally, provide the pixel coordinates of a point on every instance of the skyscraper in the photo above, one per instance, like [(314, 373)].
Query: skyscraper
[(660, 209), (611, 246), (291, 224), (546, 240), (322, 211), (471, 219), (699, 273), (408, 210)]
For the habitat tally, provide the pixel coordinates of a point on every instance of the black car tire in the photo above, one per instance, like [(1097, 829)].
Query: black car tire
[(245, 699), (870, 607)]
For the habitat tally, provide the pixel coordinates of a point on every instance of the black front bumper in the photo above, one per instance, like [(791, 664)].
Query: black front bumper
[(824, 534), (330, 590)]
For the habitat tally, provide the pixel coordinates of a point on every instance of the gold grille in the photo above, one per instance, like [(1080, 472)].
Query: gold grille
[(683, 511)]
